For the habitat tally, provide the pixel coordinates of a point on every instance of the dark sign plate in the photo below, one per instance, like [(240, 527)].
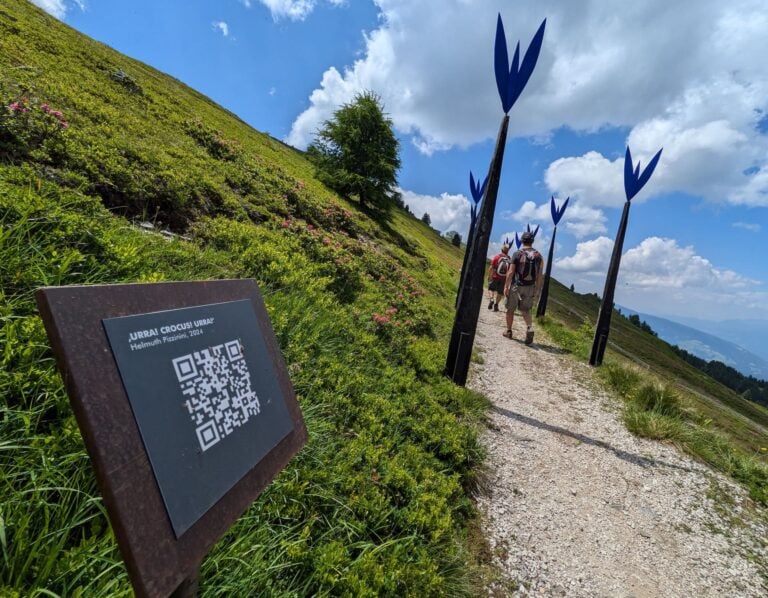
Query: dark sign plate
[(185, 406), (202, 390)]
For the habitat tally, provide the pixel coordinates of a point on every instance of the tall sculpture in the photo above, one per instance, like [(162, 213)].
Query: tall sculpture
[(518, 242), (557, 214), (477, 191), (633, 182), (510, 81)]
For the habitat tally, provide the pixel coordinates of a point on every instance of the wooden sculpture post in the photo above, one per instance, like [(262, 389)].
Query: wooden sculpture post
[(510, 81), (633, 182)]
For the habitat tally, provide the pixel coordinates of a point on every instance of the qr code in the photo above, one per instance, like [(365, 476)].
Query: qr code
[(217, 384)]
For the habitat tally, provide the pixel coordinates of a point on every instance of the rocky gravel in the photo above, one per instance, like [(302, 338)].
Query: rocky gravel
[(575, 505)]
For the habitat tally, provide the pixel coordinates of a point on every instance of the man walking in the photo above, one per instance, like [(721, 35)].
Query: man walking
[(500, 267), (523, 284)]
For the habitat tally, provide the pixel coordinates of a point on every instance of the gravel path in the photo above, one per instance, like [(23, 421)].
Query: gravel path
[(577, 506)]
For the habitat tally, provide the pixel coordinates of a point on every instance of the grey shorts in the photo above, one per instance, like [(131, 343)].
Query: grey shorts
[(497, 285), (520, 297)]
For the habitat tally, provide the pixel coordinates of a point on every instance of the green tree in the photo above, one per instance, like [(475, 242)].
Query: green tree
[(356, 152), (456, 240), (426, 219)]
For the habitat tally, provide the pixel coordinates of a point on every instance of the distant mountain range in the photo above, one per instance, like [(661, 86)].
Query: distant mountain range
[(712, 344)]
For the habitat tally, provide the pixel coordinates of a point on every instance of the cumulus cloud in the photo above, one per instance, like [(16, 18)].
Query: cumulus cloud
[(602, 65), (221, 27), (659, 276), (446, 212), (59, 8), (580, 219), (591, 257)]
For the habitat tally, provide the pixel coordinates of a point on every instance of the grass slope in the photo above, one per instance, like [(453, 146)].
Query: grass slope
[(667, 398), (378, 502)]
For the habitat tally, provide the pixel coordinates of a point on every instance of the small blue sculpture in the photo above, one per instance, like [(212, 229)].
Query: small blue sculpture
[(511, 80), (633, 182), (557, 214), (535, 232), (518, 242), (477, 191)]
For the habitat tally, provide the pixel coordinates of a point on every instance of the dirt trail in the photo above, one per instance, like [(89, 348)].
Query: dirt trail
[(577, 506)]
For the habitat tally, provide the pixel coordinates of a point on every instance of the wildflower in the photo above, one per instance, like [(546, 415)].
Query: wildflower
[(326, 241), (286, 223), (311, 227), (379, 319), (64, 125), (45, 108), (390, 311)]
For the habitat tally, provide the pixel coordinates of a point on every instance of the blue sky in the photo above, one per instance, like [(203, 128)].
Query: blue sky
[(690, 78)]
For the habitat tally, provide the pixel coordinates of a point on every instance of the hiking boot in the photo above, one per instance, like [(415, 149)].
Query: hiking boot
[(507, 334), (495, 307), (529, 336), (490, 305)]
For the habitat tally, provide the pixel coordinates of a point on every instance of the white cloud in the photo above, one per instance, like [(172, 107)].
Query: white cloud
[(580, 219), (591, 257), (603, 64), (446, 212), (58, 8), (221, 27), (296, 10), (659, 276), (750, 226), (246, 3), (662, 264)]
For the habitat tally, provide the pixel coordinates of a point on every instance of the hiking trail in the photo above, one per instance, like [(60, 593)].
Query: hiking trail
[(575, 505)]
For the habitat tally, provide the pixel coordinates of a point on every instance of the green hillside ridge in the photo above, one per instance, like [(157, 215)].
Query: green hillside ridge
[(379, 502)]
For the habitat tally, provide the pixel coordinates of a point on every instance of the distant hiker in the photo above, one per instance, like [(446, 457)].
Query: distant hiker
[(523, 284), (501, 266)]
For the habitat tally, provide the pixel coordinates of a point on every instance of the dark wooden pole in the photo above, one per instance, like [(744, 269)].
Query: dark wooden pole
[(541, 309), (471, 294), (467, 251), (606, 306)]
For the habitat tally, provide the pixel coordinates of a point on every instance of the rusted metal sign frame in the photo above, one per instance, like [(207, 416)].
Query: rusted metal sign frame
[(156, 560)]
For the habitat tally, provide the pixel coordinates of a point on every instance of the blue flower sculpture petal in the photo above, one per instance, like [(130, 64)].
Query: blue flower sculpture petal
[(557, 213), (511, 80), (633, 180)]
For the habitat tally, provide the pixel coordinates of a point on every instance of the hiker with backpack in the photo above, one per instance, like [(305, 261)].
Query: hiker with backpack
[(523, 284), (501, 265)]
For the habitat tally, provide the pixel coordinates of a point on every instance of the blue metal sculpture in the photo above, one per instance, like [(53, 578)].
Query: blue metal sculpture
[(535, 232), (633, 182), (557, 215), (477, 191), (518, 242), (510, 80)]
